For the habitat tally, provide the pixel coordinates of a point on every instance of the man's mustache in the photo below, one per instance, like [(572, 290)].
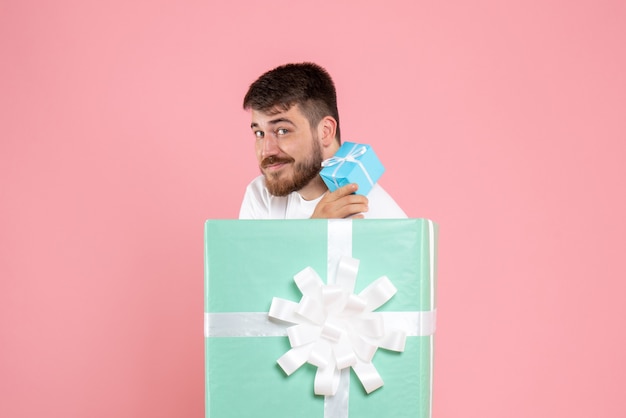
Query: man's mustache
[(271, 160)]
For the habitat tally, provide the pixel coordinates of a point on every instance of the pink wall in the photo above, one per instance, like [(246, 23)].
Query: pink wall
[(121, 132)]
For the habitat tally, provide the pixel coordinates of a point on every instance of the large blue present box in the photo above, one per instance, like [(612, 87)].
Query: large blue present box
[(250, 264), (352, 163)]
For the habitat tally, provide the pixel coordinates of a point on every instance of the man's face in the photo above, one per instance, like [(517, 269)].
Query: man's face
[(288, 150)]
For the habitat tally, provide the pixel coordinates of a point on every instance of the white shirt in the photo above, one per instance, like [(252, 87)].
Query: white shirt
[(258, 203)]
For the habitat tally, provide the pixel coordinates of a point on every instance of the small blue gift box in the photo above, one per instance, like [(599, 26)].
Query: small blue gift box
[(353, 163)]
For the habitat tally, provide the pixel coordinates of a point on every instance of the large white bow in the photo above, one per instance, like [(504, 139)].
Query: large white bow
[(336, 329)]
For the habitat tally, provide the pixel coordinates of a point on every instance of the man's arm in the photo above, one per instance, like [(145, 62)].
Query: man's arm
[(342, 203)]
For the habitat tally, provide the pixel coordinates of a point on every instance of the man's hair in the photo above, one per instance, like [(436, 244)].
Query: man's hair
[(306, 84)]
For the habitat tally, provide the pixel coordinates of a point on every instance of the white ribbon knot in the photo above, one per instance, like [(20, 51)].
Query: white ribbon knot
[(356, 151), (335, 328)]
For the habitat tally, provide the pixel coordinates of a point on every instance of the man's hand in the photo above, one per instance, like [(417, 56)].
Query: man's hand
[(341, 203)]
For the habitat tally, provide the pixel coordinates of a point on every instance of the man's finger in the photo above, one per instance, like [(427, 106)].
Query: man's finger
[(346, 190)]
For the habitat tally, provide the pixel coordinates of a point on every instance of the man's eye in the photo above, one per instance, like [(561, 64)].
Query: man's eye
[(281, 131), (259, 134)]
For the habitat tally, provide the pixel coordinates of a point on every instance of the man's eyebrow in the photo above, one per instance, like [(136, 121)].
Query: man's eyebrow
[(280, 120), (273, 122)]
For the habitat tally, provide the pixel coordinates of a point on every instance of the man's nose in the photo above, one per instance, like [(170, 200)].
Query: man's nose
[(270, 145)]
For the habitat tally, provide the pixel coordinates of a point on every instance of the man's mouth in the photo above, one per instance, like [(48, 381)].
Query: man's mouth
[(274, 167)]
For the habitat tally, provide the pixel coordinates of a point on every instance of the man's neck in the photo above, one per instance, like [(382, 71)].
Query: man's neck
[(314, 189)]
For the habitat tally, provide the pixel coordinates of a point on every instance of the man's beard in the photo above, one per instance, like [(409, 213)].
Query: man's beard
[(303, 172)]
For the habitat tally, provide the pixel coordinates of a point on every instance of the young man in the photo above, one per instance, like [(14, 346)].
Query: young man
[(296, 126)]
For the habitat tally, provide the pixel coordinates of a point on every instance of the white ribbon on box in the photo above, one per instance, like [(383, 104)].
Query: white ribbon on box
[(353, 331), (351, 157), (336, 329)]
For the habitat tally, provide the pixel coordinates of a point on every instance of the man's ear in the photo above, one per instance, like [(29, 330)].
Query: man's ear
[(327, 129)]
